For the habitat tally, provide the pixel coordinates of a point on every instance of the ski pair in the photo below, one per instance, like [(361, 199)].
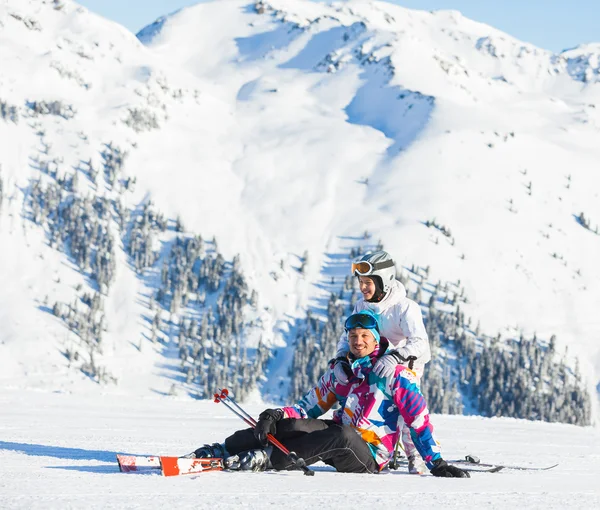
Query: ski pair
[(168, 466), (235, 408)]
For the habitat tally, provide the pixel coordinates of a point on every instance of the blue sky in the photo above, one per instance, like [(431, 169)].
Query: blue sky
[(550, 24)]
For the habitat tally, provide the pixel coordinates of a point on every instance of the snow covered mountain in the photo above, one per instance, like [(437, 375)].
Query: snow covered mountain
[(288, 129), (394, 118), (80, 96)]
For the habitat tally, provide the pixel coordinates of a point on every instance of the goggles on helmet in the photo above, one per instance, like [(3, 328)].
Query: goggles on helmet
[(364, 268), (361, 320)]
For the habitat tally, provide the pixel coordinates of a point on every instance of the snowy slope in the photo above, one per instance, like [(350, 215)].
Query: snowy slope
[(58, 451), (291, 126), (103, 73), (448, 119)]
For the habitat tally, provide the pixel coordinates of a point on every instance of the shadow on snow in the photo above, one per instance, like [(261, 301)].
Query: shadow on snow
[(59, 452)]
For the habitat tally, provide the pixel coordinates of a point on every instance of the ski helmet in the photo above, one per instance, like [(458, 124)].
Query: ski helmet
[(378, 264)]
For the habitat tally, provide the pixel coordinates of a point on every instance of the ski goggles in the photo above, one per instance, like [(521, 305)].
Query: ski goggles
[(361, 320), (364, 268)]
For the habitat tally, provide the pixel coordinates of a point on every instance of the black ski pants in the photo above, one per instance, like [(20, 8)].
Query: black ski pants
[(314, 440)]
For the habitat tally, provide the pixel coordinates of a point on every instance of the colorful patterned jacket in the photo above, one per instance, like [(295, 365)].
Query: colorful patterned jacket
[(374, 406)]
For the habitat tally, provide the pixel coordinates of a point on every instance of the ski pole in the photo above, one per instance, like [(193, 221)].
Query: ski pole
[(227, 400), (394, 464), (241, 413), (252, 423), (225, 395)]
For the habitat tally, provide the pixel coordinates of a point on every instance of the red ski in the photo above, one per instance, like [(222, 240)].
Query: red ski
[(173, 466), (139, 463)]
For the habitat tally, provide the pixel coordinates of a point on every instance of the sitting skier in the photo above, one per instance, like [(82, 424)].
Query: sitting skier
[(400, 322), (361, 436)]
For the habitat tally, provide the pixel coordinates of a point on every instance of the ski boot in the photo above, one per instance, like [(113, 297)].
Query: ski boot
[(208, 451), (252, 460)]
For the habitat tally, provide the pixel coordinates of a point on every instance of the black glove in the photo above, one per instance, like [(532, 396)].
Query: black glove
[(267, 424), (442, 468), (341, 369)]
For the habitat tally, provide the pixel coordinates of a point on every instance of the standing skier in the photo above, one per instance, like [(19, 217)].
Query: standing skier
[(401, 323), (361, 436)]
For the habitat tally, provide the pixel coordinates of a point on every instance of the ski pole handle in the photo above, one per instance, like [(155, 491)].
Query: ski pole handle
[(225, 396), (411, 360), (248, 421)]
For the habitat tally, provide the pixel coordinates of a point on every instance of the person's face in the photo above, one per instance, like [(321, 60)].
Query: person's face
[(367, 287), (362, 342)]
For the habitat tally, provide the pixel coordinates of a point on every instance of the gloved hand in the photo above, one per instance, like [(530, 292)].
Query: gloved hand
[(442, 468), (386, 365), (267, 424), (342, 370)]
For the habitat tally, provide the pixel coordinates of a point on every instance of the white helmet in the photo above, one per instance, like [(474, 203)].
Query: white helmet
[(378, 264)]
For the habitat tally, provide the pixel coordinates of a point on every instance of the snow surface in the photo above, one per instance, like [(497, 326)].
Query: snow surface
[(58, 451)]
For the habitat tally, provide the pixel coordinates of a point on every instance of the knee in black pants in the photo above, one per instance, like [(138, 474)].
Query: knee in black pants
[(289, 428), (241, 441)]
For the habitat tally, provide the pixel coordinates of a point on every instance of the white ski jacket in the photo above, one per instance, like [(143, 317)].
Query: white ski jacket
[(401, 322)]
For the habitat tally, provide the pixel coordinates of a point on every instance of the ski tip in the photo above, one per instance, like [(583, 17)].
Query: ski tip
[(126, 465), (131, 463)]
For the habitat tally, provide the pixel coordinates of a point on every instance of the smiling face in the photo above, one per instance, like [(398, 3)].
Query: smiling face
[(362, 342), (367, 287)]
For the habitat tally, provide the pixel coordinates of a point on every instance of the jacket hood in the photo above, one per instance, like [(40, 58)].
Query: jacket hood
[(396, 295)]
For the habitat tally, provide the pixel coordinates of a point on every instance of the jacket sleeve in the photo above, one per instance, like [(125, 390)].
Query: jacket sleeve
[(413, 328), (317, 401), (413, 409)]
